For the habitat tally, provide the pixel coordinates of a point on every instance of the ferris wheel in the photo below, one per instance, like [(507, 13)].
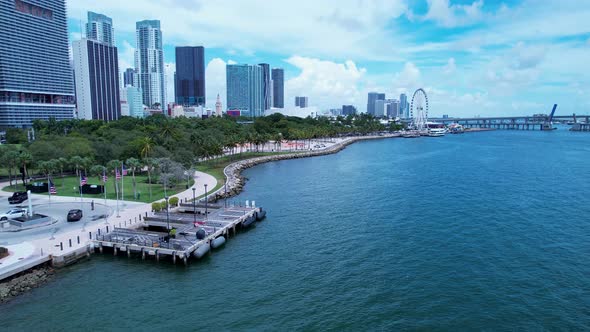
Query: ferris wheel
[(419, 109)]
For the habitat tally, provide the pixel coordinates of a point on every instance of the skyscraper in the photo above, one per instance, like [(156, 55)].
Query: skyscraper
[(100, 28), (301, 102), (371, 98), (278, 87), (189, 84), (348, 110), (128, 77), (379, 108), (245, 89), (149, 63), (403, 106), (96, 68), (266, 81), (35, 74), (135, 101)]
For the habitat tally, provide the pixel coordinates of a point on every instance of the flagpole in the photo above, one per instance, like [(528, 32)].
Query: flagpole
[(122, 183), (117, 192), (104, 184), (81, 199)]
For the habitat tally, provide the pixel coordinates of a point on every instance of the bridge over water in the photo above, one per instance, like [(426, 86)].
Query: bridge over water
[(535, 122)]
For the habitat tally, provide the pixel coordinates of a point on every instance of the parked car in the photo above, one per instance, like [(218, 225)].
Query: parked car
[(18, 197), (13, 213), (75, 215)]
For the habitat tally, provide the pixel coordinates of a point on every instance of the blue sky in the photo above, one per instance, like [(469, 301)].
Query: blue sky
[(472, 57)]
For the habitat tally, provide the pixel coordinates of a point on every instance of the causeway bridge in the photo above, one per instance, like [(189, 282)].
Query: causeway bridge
[(535, 122)]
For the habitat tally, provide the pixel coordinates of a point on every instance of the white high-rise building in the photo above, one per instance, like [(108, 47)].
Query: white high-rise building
[(149, 63)]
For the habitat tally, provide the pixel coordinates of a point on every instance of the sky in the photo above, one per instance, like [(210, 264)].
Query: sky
[(473, 58)]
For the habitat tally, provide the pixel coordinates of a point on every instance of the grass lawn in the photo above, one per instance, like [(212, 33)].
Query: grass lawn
[(68, 186)]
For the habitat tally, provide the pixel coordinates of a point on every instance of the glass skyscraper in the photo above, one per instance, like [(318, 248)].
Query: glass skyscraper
[(36, 80), (149, 63), (100, 28), (278, 88), (128, 77), (371, 99), (245, 89), (404, 110), (266, 85), (189, 82), (96, 67)]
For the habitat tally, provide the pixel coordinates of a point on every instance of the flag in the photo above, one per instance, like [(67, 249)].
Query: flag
[(117, 174), (104, 176), (83, 179), (52, 189), (124, 169)]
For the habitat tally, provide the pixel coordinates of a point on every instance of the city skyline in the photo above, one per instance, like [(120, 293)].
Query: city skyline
[(473, 58)]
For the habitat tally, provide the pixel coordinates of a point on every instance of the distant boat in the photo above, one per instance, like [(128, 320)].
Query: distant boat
[(436, 132)]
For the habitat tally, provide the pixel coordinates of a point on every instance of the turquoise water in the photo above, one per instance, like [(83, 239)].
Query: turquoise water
[(468, 232)]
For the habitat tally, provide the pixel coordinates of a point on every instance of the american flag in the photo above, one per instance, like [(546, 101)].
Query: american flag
[(123, 169), (83, 179), (104, 176), (52, 189), (117, 174)]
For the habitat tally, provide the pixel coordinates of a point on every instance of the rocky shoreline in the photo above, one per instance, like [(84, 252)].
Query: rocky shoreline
[(233, 172), (24, 282)]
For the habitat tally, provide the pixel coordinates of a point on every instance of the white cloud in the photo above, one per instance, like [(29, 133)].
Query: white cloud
[(349, 28), (126, 56), (447, 15), (325, 82), (450, 67), (216, 81), (408, 78)]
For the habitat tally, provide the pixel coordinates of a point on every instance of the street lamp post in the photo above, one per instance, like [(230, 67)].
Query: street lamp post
[(194, 207), (206, 212), (167, 214)]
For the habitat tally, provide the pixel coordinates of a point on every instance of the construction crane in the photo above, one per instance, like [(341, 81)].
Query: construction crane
[(548, 124)]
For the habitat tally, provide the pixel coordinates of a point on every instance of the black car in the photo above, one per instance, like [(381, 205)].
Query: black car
[(75, 215), (18, 197)]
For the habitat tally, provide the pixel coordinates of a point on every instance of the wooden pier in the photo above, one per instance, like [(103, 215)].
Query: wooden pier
[(196, 233)]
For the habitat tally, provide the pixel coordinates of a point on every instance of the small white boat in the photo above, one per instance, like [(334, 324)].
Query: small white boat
[(436, 132)]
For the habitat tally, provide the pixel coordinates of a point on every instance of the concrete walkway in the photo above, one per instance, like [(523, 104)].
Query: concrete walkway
[(62, 242)]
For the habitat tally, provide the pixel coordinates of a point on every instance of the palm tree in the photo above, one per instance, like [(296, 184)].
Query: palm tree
[(61, 163), (10, 159), (86, 163), (150, 164), (25, 158), (97, 170), (133, 164), (114, 165), (146, 146), (77, 162)]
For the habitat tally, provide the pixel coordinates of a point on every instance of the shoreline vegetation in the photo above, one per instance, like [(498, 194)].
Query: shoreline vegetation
[(162, 151)]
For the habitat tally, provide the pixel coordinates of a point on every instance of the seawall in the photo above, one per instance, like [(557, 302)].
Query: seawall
[(235, 181)]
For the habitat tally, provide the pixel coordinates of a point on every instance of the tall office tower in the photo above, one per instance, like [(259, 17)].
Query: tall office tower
[(379, 108), (100, 28), (266, 81), (404, 110), (190, 76), (348, 110), (96, 68), (128, 77), (245, 89), (149, 63), (218, 106), (371, 98), (301, 102), (134, 101), (392, 106), (36, 79), (278, 88)]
